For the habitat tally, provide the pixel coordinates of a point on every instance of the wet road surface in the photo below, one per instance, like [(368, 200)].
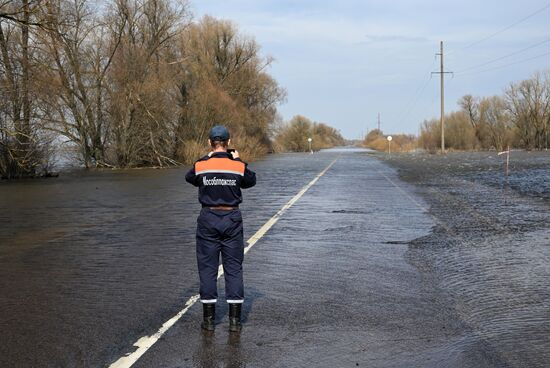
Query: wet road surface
[(91, 263)]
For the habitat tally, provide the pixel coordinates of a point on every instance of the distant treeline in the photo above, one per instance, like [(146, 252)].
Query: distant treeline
[(376, 140), (126, 83), (293, 136), (519, 118)]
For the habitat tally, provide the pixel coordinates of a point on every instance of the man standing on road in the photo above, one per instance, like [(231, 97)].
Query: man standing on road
[(220, 176)]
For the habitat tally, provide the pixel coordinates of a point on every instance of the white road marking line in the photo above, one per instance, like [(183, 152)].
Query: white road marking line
[(404, 192), (427, 211), (144, 343)]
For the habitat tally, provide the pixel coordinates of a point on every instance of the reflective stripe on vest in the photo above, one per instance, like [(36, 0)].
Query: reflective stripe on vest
[(220, 165)]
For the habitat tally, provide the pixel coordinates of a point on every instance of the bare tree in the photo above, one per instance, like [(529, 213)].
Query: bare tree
[(22, 151), (529, 105), (76, 64), (225, 80), (497, 120), (473, 108), (325, 136), (144, 93), (294, 135)]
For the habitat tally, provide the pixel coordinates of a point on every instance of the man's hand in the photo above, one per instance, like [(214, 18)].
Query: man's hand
[(235, 154)]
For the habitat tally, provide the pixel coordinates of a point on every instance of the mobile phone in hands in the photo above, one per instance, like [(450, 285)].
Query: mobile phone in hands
[(233, 152)]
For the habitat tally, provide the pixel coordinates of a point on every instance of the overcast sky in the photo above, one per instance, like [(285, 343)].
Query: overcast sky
[(342, 62)]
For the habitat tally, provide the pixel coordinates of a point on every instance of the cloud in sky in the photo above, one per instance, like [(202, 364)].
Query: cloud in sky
[(343, 62)]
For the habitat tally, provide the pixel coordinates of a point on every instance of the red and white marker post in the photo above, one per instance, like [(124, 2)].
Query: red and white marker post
[(506, 170)]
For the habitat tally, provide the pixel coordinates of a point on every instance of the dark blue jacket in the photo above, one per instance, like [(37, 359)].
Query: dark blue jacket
[(220, 179)]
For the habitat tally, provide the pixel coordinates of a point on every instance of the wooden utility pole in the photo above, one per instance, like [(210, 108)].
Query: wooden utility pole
[(378, 121), (442, 73), (442, 98)]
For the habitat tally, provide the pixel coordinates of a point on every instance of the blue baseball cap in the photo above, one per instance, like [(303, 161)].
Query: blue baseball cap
[(219, 133)]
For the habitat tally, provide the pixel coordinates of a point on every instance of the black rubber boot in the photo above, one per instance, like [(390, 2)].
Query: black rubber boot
[(235, 317), (209, 316)]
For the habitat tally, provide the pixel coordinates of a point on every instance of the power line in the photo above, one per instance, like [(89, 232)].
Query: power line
[(413, 101), (503, 57), (507, 65), (538, 11), (430, 103), (420, 91)]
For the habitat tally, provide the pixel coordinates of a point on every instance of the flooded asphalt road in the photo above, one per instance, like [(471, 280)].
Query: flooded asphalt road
[(351, 275)]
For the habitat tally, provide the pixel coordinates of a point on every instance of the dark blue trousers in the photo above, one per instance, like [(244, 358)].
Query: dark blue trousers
[(220, 231)]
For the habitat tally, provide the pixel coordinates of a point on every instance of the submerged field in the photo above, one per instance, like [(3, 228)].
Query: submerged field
[(490, 249)]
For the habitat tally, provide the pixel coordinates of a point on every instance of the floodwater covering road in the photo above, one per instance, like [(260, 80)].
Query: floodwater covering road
[(349, 276), (490, 250)]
